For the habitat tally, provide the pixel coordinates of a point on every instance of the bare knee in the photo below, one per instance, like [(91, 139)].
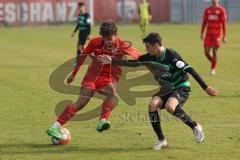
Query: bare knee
[(155, 103), (170, 108), (171, 104)]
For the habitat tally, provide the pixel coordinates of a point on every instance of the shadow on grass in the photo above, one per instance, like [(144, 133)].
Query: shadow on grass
[(37, 149)]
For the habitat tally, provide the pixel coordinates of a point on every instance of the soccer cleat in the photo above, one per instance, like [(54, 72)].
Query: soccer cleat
[(54, 132), (213, 71), (198, 132), (160, 144), (103, 125)]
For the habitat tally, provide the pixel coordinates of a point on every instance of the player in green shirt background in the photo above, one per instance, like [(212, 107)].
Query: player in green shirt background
[(83, 27)]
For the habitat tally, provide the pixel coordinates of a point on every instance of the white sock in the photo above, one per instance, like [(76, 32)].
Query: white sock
[(56, 125)]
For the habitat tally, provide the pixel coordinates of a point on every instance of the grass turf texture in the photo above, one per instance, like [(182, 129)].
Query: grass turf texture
[(28, 56)]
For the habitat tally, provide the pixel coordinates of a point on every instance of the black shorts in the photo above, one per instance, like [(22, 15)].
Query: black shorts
[(82, 37), (181, 94)]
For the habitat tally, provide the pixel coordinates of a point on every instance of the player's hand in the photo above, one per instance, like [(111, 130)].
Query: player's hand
[(201, 37), (89, 37), (150, 17), (212, 91), (104, 59), (224, 39), (70, 79)]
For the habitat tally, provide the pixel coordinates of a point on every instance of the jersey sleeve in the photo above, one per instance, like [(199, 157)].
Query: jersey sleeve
[(133, 52), (197, 77), (80, 60), (224, 19), (131, 63), (76, 28), (177, 61), (204, 22), (88, 21)]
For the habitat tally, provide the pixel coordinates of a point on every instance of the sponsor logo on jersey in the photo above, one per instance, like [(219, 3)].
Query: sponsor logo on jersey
[(212, 17)]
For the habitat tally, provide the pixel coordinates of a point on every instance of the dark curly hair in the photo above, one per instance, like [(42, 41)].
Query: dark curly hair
[(108, 28)]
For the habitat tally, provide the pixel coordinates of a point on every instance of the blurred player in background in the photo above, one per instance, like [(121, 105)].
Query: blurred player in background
[(144, 12), (171, 72), (83, 27), (215, 19), (99, 77)]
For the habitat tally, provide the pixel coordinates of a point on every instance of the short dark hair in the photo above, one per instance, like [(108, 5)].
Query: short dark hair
[(108, 28), (80, 4), (153, 38)]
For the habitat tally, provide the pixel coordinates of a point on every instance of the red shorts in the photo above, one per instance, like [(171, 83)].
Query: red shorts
[(97, 81), (212, 40)]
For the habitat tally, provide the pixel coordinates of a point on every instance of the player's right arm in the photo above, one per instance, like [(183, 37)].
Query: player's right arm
[(75, 30), (204, 24), (88, 50), (105, 59), (149, 12)]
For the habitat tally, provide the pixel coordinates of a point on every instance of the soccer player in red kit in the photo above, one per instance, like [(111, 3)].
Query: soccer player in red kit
[(99, 77), (215, 19)]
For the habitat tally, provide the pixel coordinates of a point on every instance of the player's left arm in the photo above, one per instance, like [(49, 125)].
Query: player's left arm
[(88, 21), (208, 89), (182, 65), (224, 22)]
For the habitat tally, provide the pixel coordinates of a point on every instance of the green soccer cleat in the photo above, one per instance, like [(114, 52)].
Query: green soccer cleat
[(54, 132), (103, 125)]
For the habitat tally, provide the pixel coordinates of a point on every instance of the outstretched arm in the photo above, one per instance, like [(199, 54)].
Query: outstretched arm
[(127, 63), (210, 90), (105, 59)]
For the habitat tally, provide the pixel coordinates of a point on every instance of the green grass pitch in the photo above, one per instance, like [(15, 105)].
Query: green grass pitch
[(29, 55)]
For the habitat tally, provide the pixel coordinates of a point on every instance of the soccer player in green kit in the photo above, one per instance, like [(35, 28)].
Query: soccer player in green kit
[(83, 27), (171, 72), (145, 15)]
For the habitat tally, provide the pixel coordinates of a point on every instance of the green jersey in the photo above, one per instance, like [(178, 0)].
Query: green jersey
[(144, 10), (169, 70), (83, 22)]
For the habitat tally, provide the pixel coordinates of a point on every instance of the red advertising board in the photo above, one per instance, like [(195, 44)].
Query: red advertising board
[(31, 12)]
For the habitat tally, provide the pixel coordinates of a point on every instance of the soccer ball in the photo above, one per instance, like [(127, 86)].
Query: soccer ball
[(66, 137)]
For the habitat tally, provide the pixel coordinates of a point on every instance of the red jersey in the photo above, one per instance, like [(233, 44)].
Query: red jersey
[(215, 19), (96, 46)]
